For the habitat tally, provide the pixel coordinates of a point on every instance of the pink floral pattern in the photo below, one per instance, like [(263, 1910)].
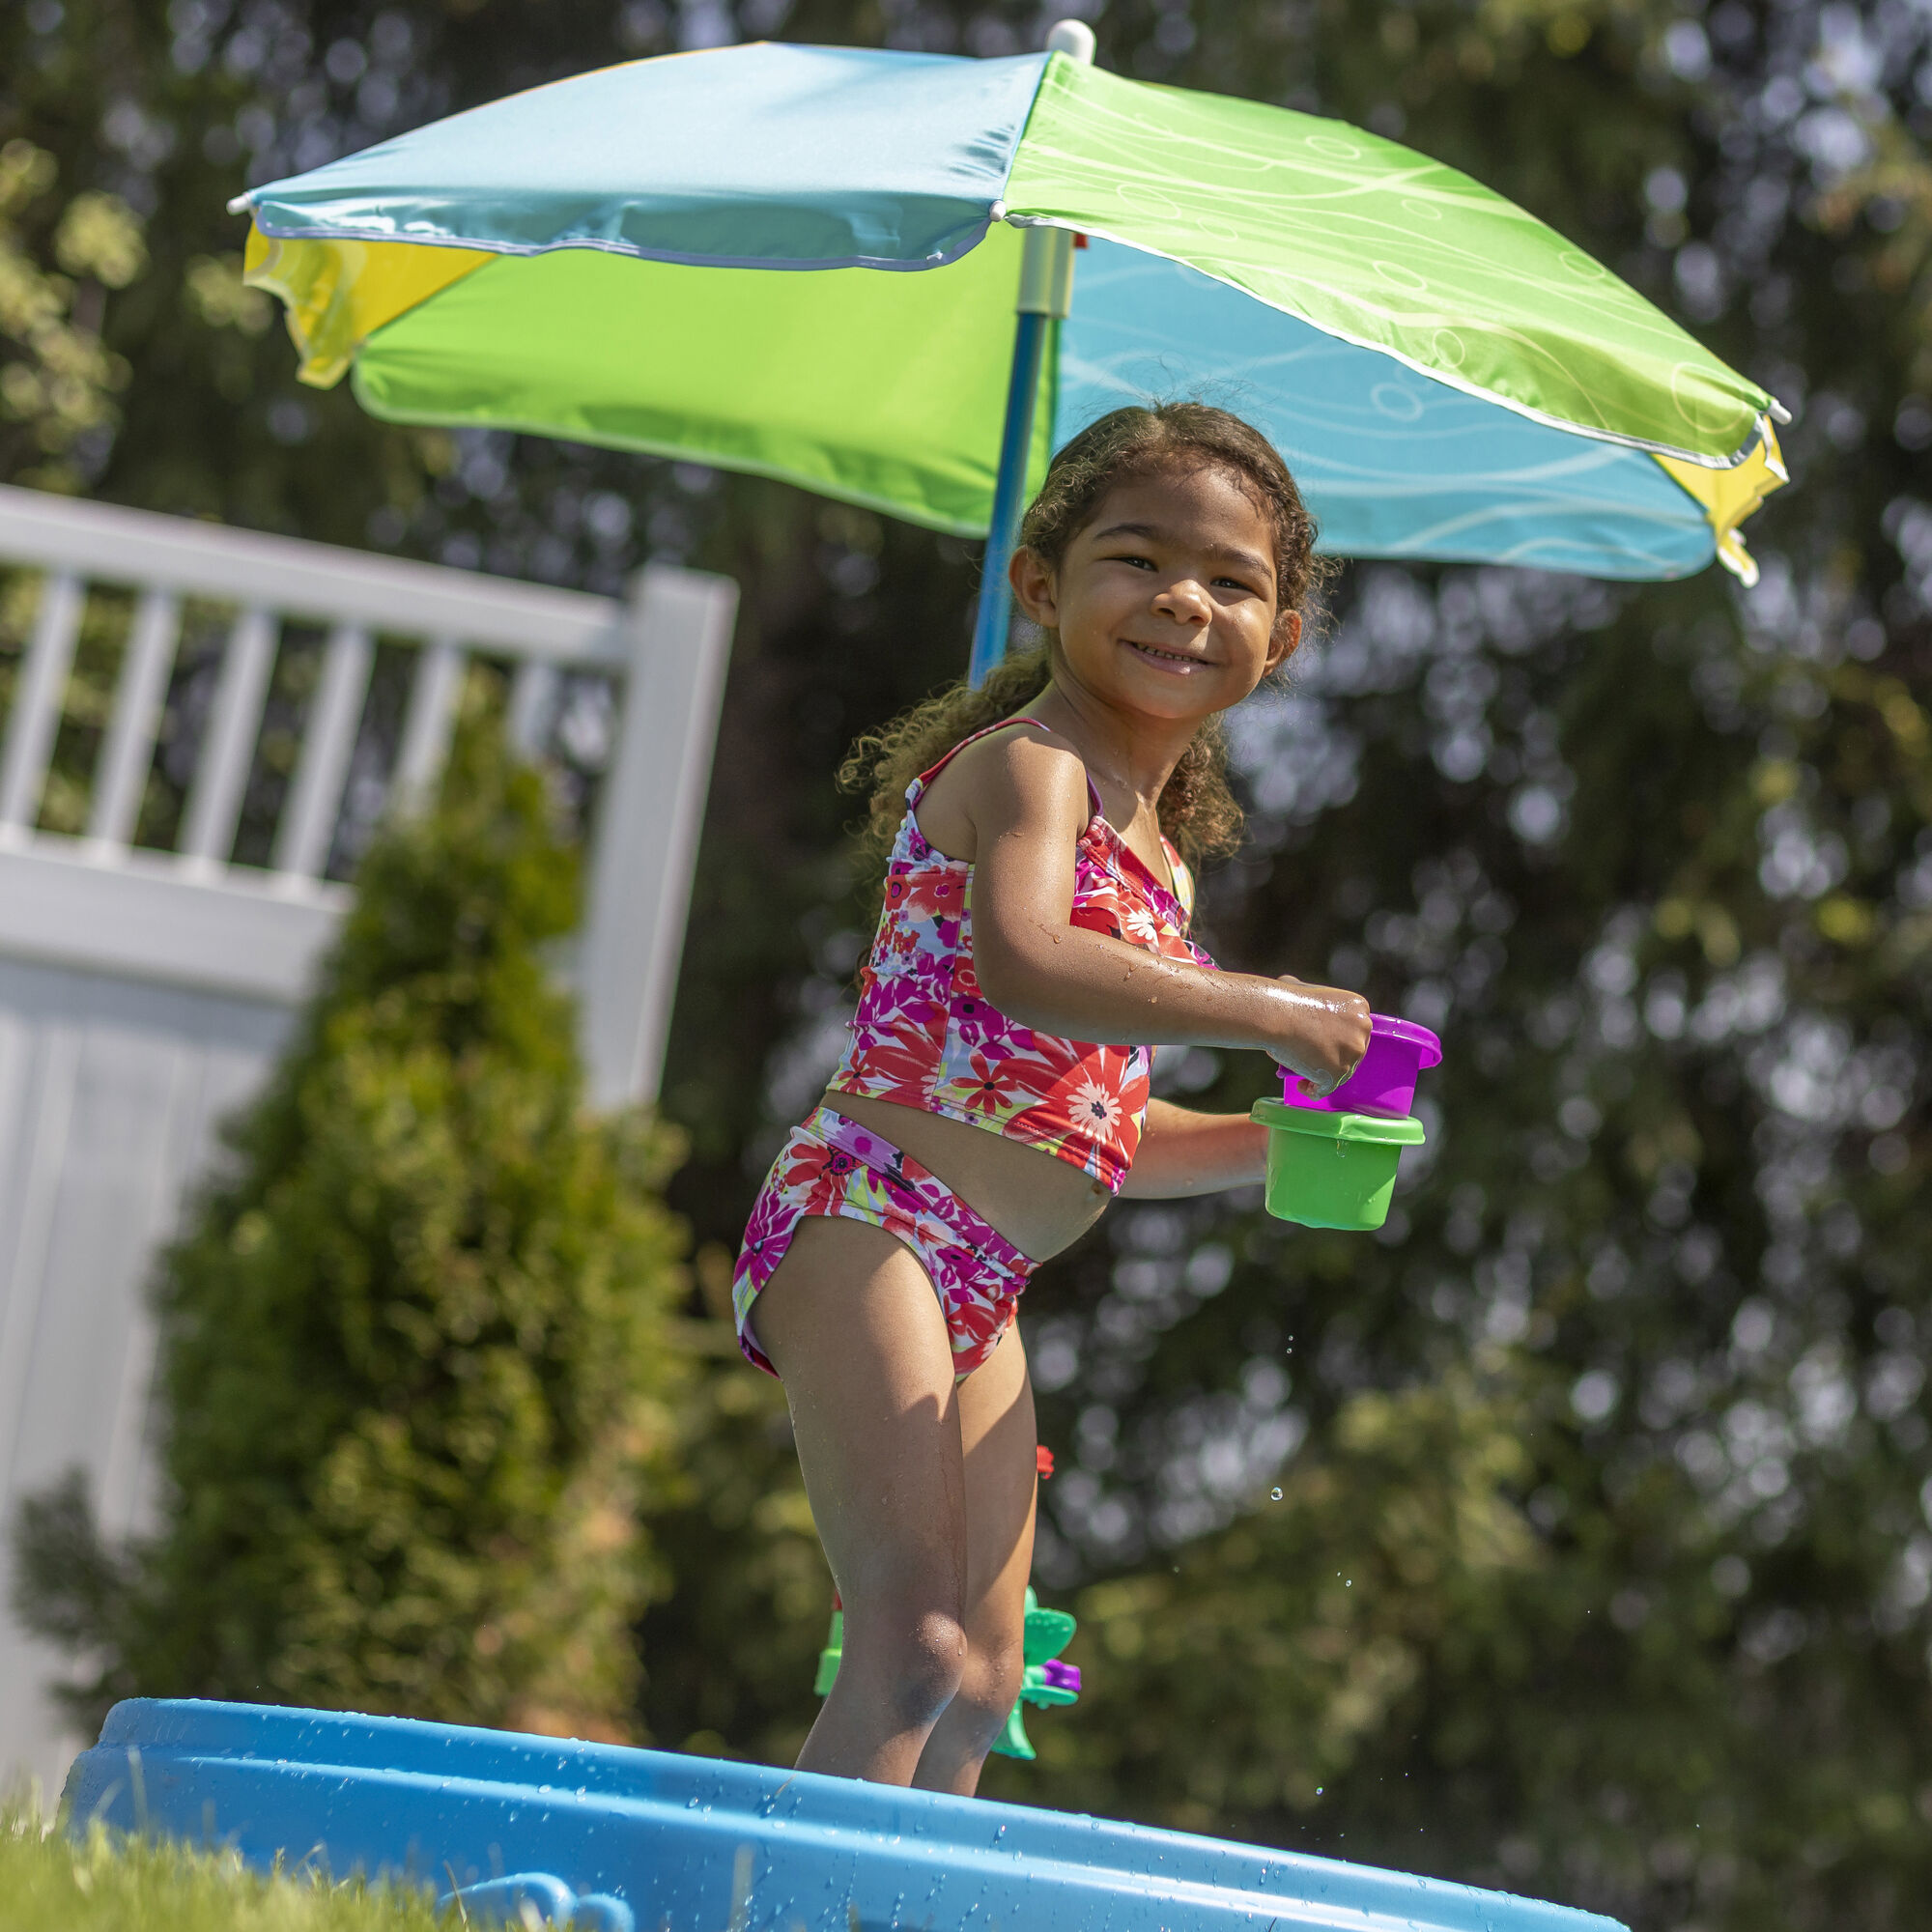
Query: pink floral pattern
[(926, 1037), (833, 1166)]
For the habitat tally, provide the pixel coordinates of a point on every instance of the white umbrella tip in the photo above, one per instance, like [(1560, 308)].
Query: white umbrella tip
[(1072, 38), (242, 203)]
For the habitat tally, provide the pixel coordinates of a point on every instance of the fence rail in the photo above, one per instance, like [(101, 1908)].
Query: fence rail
[(107, 544)]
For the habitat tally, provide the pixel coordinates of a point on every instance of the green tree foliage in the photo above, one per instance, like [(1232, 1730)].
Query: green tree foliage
[(57, 381), (415, 1345), (1406, 1535)]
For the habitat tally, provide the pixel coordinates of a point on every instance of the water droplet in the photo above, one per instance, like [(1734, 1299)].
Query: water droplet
[(1274, 1496)]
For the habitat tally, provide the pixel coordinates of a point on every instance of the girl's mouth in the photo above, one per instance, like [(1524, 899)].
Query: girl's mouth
[(1170, 660)]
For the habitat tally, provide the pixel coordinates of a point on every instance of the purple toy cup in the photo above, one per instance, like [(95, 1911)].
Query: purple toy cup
[(1384, 1083)]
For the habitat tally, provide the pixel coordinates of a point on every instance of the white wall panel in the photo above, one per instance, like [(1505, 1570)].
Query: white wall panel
[(112, 1094)]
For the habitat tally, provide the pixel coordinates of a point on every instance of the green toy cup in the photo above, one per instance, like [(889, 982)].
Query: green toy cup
[(1332, 1169)]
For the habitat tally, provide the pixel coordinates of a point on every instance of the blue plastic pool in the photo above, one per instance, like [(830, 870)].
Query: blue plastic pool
[(614, 1841)]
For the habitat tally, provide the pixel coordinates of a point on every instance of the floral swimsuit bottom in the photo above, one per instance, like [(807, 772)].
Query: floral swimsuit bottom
[(834, 1166), (926, 1037)]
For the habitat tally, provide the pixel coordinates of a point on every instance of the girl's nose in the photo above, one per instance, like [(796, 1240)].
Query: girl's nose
[(1186, 601)]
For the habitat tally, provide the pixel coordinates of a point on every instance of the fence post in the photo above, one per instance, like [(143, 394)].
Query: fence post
[(649, 817)]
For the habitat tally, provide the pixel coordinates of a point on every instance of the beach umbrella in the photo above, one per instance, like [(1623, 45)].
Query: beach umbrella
[(903, 279)]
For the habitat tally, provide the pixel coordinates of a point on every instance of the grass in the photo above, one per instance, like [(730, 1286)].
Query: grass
[(109, 1883)]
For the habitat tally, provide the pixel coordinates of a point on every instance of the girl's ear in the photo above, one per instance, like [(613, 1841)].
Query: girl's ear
[(1034, 588), (1286, 640)]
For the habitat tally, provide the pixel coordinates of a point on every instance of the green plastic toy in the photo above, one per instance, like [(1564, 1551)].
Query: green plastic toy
[(1044, 1682), (1332, 1169)]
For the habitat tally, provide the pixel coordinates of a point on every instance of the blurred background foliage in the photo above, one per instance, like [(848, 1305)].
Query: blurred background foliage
[(1599, 1565)]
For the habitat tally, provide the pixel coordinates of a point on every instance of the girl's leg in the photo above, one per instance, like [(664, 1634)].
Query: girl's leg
[(850, 1321), (997, 1433)]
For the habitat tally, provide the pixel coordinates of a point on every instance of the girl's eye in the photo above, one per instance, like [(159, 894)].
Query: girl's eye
[(1135, 561)]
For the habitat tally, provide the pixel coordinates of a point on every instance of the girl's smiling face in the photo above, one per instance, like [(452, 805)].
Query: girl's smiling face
[(1165, 602)]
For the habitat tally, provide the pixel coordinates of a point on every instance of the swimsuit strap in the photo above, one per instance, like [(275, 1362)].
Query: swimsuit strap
[(1177, 870), (917, 789)]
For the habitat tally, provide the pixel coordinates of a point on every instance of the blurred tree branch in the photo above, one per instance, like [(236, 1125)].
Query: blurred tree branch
[(57, 380)]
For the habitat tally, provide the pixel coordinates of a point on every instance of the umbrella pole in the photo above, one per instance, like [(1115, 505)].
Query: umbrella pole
[(996, 591), (1046, 294)]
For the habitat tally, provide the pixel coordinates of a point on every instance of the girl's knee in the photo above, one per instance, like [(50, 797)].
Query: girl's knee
[(926, 1664), (909, 1641), (989, 1685)]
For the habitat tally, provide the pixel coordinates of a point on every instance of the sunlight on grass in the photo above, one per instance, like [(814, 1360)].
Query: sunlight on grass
[(109, 1883)]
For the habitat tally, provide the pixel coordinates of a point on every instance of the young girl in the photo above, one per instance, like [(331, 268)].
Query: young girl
[(1034, 907)]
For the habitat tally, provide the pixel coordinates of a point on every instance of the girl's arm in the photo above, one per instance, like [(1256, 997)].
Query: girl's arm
[(1185, 1153), (1027, 807)]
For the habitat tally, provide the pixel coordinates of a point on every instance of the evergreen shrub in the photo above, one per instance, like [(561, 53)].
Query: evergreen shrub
[(418, 1357)]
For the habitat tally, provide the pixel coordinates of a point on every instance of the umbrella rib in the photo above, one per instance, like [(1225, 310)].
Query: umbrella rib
[(676, 258)]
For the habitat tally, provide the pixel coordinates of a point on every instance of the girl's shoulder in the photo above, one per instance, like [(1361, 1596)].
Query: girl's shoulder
[(1014, 746), (1017, 752)]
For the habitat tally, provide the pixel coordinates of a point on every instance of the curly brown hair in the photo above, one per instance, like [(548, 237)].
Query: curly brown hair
[(1198, 812)]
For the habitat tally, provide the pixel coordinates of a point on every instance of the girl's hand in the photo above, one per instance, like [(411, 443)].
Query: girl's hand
[(1323, 1036)]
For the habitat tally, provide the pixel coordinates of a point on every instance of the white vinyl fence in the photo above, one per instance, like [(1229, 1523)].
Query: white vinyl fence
[(145, 987)]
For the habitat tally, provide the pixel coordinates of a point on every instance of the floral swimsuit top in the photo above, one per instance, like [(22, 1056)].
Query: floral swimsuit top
[(926, 1037)]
